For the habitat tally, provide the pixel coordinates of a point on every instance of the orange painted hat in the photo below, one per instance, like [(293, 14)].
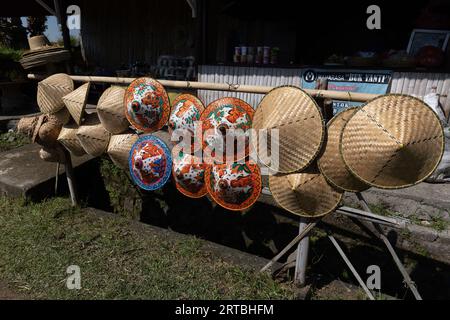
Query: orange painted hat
[(147, 105), (227, 120), (234, 186), (186, 110), (188, 172)]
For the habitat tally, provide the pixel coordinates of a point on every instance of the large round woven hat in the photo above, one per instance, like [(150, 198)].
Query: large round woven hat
[(147, 105), (76, 102), (234, 186), (93, 136), (150, 162), (300, 126), (42, 52), (186, 110), (226, 125), (305, 194), (68, 138), (393, 141), (51, 90), (110, 110), (189, 174), (119, 148), (330, 162)]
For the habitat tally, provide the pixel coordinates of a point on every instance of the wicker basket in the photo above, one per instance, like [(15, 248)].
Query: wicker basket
[(68, 138), (119, 148), (76, 102)]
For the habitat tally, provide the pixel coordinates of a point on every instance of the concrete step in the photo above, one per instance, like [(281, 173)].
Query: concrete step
[(24, 174)]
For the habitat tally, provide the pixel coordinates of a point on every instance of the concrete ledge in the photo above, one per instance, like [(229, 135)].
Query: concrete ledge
[(24, 174)]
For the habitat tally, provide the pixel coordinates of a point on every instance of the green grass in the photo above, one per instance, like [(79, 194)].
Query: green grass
[(117, 260), (10, 54), (11, 140)]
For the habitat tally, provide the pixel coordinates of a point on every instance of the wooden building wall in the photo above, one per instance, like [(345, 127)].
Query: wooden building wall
[(116, 32)]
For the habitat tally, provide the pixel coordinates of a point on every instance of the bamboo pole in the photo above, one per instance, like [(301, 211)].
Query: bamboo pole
[(325, 94)]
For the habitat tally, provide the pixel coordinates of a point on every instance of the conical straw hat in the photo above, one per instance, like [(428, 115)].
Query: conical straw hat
[(150, 162), (224, 120), (330, 162), (51, 90), (305, 194), (76, 102), (147, 105), (394, 141), (110, 110), (300, 126), (188, 172), (119, 148), (68, 138), (63, 116), (186, 110), (93, 137), (234, 186)]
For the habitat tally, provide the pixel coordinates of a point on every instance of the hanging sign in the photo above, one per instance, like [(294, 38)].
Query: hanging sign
[(363, 81)]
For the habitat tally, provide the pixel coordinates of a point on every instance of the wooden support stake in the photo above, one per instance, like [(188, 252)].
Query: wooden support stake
[(391, 250), (294, 241), (70, 178), (302, 256), (352, 269)]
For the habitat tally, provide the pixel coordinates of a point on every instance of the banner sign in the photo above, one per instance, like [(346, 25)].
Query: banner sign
[(364, 81)]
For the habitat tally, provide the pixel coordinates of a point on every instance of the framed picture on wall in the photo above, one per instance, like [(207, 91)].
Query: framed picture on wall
[(425, 37)]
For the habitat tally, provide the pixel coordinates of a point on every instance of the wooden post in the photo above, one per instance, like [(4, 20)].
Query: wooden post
[(294, 241), (301, 261), (391, 250), (61, 17), (351, 267), (70, 178)]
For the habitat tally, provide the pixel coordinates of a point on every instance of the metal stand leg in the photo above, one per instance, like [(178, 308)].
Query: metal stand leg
[(294, 241), (352, 269), (391, 250), (302, 256)]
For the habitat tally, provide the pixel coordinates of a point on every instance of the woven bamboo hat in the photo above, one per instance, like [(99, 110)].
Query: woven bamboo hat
[(42, 52), (234, 186), (119, 148), (63, 116), (186, 110), (93, 137), (68, 138), (224, 120), (330, 162), (305, 194), (150, 162), (110, 110), (76, 102), (51, 90), (300, 125), (188, 172), (393, 141), (147, 105)]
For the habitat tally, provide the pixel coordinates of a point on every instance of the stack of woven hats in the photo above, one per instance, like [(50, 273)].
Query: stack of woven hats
[(393, 141)]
